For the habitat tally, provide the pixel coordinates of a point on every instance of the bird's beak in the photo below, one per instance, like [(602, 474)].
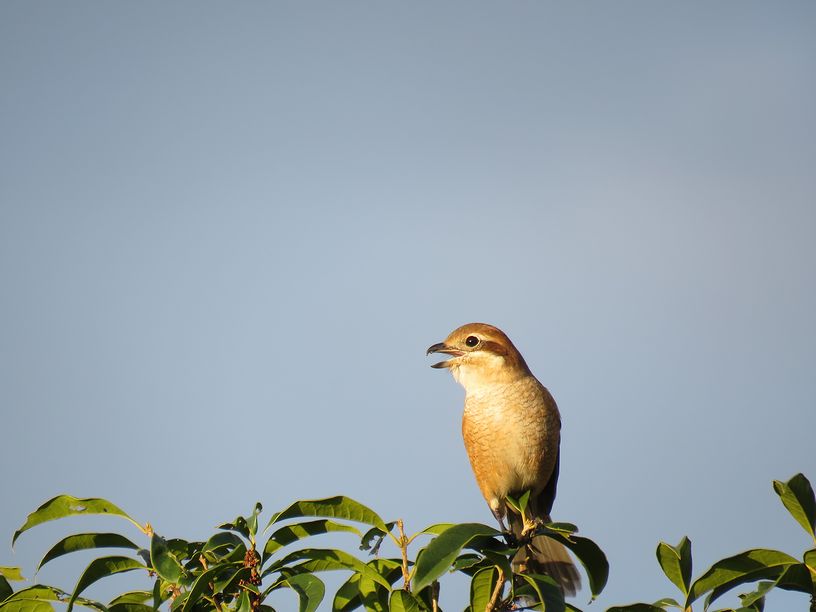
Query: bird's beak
[(441, 347)]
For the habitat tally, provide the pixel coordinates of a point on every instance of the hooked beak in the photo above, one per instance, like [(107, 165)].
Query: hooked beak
[(441, 347)]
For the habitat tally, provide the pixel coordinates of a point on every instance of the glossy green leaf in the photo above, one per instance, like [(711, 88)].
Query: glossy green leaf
[(403, 601), (85, 541), (519, 504), (565, 528), (373, 538), (252, 521), (309, 588), (39, 592), (67, 505), (320, 560), (441, 552), (5, 589), (347, 597), (546, 591), (130, 607), (591, 557), (292, 533), (668, 602), (749, 566), (164, 560), (223, 539), (101, 568), (130, 597), (25, 605), (11, 573), (481, 587), (239, 525), (466, 561), (636, 607), (749, 599), (797, 578), (810, 561), (437, 528), (200, 586), (340, 507), (797, 496), (676, 563), (228, 580)]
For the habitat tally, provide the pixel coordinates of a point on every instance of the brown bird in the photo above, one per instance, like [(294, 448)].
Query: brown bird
[(512, 432)]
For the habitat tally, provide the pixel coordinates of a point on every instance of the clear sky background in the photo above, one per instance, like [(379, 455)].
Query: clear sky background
[(229, 231)]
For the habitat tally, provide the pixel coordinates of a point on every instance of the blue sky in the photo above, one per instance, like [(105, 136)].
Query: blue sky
[(229, 231)]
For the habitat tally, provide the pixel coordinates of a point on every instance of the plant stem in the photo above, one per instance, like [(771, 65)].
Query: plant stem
[(403, 544), (497, 591)]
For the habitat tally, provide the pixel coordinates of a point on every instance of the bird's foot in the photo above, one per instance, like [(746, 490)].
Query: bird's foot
[(510, 538), (530, 528)]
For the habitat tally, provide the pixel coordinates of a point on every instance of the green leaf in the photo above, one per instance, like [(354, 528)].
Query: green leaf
[(636, 607), (164, 560), (797, 578), (332, 507), (591, 557), (667, 602), (200, 586), (565, 528), (11, 573), (238, 525), (25, 605), (292, 533), (38, 592), (130, 607), (67, 505), (676, 563), (547, 592), (520, 504), (373, 538), (310, 590), (85, 541), (481, 587), (5, 589), (403, 601), (749, 566), (131, 597), (797, 496), (101, 568), (810, 560), (441, 552), (252, 521), (320, 560), (356, 592), (466, 561), (749, 599), (347, 597), (436, 529)]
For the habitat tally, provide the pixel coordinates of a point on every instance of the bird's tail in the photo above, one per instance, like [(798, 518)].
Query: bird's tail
[(544, 555)]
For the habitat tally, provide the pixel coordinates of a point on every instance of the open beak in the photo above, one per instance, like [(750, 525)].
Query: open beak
[(441, 347)]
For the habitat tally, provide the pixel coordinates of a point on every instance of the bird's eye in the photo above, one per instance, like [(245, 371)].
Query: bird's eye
[(471, 341)]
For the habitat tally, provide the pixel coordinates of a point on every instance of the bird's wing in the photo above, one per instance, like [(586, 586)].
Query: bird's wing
[(545, 499)]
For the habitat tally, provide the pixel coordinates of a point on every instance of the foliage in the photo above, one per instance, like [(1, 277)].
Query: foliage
[(766, 569), (239, 566)]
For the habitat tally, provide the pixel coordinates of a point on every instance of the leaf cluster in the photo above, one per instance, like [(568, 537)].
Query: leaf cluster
[(240, 565), (763, 568)]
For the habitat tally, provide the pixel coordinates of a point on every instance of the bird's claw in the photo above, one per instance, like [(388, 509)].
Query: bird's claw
[(510, 538)]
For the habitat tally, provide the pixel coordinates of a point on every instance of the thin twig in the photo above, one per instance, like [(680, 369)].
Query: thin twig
[(403, 544), (497, 591)]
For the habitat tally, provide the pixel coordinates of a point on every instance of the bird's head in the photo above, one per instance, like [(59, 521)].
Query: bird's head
[(481, 355)]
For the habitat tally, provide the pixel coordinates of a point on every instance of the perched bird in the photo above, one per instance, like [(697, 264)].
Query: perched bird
[(512, 432)]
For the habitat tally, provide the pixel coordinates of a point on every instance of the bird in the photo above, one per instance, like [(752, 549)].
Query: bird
[(512, 432)]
